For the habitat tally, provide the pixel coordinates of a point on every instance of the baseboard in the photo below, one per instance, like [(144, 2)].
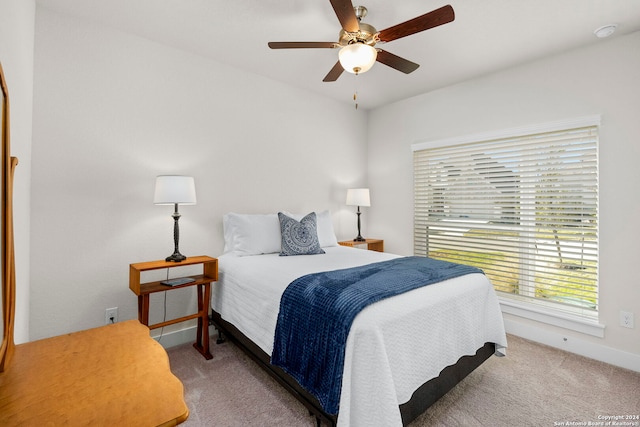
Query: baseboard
[(575, 345), (174, 338)]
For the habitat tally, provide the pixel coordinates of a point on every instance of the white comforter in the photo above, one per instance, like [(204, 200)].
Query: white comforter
[(394, 346)]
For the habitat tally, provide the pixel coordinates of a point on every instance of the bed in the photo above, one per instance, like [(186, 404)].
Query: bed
[(402, 353)]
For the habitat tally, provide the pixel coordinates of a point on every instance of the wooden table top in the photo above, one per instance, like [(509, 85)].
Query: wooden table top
[(115, 375)]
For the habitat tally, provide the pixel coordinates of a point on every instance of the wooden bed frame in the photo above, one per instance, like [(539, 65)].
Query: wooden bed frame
[(425, 396)]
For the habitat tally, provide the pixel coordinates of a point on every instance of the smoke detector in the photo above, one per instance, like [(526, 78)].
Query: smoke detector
[(605, 31)]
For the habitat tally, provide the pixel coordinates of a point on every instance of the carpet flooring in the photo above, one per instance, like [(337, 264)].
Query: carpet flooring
[(534, 385)]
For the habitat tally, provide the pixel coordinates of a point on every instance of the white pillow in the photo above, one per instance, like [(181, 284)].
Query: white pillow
[(246, 234), (227, 229), (326, 235)]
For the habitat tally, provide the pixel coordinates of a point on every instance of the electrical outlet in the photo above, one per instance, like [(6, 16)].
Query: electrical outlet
[(626, 319), (110, 315)]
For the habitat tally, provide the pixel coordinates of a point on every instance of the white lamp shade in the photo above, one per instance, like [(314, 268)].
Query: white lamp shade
[(172, 189), (357, 58), (358, 197)]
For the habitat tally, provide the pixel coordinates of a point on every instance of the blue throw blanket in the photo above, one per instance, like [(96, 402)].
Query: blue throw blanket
[(316, 312)]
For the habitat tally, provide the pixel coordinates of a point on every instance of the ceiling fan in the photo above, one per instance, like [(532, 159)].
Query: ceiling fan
[(357, 39)]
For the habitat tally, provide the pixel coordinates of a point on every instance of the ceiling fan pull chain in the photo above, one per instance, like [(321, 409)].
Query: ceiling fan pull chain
[(355, 91)]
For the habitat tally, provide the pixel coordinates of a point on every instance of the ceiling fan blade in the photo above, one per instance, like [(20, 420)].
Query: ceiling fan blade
[(346, 15), (394, 61), (302, 45), (335, 72), (437, 17)]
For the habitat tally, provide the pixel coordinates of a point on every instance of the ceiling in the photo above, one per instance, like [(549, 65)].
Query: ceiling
[(486, 36)]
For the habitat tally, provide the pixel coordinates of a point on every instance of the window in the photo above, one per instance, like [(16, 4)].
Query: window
[(523, 207)]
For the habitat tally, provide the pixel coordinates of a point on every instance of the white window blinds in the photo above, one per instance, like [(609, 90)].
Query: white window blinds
[(523, 209)]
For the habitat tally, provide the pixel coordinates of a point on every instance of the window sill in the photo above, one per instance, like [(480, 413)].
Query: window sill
[(552, 317)]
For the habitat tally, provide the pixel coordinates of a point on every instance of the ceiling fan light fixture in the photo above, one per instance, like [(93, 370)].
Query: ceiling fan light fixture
[(357, 58)]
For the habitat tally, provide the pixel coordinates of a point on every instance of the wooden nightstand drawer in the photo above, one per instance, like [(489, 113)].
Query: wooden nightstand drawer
[(372, 244)]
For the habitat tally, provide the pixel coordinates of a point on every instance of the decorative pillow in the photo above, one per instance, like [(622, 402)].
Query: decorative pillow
[(246, 234), (326, 235), (299, 237)]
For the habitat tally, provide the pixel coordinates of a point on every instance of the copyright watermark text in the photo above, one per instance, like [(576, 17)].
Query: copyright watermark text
[(627, 420)]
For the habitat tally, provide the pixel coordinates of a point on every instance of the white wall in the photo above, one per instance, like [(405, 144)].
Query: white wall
[(602, 79), (112, 111), (16, 55)]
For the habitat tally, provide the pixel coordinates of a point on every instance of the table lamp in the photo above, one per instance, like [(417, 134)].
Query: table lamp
[(175, 190), (358, 197)]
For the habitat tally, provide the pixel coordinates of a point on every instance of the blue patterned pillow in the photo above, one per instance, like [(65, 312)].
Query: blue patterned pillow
[(299, 237)]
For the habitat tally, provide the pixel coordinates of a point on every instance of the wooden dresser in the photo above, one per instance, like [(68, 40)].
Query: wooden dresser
[(114, 375)]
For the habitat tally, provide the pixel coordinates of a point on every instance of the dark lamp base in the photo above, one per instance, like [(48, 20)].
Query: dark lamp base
[(359, 239), (176, 257)]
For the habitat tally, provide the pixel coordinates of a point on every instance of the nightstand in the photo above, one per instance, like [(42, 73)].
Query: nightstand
[(372, 244), (202, 281)]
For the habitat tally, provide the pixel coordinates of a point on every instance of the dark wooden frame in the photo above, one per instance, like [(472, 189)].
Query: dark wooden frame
[(425, 396)]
